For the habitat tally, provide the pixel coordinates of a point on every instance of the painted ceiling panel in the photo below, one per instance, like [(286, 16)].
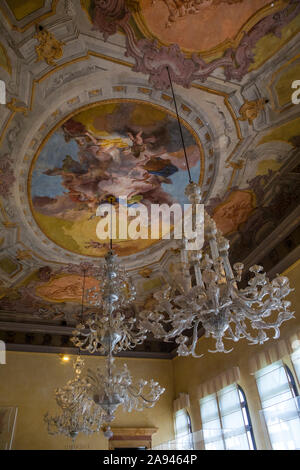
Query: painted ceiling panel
[(24, 8)]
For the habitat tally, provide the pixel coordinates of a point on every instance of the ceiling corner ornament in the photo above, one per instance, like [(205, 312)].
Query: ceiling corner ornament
[(250, 110), (152, 59), (49, 48)]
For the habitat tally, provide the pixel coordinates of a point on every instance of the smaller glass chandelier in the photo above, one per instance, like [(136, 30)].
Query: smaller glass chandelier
[(109, 322), (111, 388), (79, 411)]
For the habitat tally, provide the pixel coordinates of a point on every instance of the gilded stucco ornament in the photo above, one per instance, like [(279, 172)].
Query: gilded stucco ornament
[(49, 48), (251, 109)]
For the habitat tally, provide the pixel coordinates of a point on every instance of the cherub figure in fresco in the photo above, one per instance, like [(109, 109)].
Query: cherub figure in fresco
[(139, 143)]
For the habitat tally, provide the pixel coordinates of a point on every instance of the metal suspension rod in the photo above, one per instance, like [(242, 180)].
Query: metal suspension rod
[(180, 129), (82, 297)]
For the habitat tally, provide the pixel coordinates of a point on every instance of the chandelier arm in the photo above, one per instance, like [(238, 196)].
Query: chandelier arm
[(232, 335), (259, 339), (256, 314), (141, 396), (195, 340)]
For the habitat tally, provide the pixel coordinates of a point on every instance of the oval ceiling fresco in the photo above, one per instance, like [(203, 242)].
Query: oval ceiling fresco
[(115, 148)]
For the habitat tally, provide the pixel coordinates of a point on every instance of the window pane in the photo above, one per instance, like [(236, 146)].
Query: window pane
[(181, 423), (226, 430), (232, 419), (273, 386), (229, 400), (280, 408), (213, 438), (237, 442), (209, 409)]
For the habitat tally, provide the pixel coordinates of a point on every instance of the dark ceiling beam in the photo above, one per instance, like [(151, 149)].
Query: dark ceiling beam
[(67, 350), (31, 328)]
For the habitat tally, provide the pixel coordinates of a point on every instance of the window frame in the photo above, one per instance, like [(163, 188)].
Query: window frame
[(189, 426), (292, 384), (249, 426), (291, 381)]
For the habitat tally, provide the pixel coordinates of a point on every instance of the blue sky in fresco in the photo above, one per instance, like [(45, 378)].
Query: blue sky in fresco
[(55, 151), (50, 157)]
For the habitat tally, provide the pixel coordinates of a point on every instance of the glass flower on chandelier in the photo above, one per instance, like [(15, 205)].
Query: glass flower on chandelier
[(79, 413), (113, 296)]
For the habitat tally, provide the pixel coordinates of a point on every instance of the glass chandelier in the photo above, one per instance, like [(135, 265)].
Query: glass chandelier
[(111, 388), (108, 331), (207, 295), (108, 325), (79, 411)]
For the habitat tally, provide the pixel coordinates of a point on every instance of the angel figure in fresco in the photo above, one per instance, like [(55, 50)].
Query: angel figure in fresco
[(106, 147), (139, 143)]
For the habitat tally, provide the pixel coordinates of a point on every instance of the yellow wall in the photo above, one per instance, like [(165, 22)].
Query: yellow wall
[(189, 373), (28, 380)]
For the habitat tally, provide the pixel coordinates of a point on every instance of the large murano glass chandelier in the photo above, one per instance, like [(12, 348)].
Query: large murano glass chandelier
[(207, 296), (79, 413)]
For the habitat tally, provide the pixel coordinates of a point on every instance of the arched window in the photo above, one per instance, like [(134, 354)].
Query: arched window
[(280, 405), (226, 420), (183, 430)]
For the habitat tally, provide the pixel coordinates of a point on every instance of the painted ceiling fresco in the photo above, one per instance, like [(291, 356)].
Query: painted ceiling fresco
[(197, 25), (89, 117), (120, 149)]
